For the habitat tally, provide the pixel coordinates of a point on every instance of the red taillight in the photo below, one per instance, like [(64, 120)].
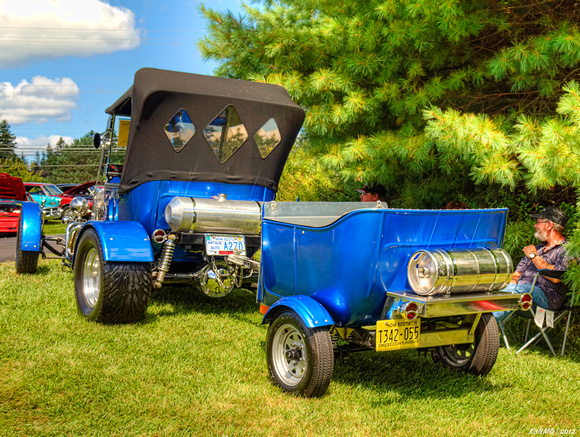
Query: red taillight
[(159, 236), (409, 310), (526, 301)]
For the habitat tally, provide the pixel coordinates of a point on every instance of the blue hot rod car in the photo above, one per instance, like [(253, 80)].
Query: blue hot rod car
[(194, 200)]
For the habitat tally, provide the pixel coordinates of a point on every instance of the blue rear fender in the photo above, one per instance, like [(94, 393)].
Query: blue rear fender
[(312, 313), (122, 241), (31, 232)]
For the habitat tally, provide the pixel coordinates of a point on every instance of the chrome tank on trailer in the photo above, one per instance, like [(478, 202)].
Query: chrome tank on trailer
[(437, 271)]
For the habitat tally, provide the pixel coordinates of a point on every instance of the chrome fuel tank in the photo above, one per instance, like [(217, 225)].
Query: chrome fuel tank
[(188, 214)]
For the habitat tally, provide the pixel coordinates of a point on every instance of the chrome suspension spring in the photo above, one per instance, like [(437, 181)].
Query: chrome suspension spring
[(165, 260)]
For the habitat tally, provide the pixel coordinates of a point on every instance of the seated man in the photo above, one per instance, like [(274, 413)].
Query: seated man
[(548, 293)]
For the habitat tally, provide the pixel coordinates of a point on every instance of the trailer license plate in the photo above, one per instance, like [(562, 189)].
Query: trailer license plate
[(397, 334), (224, 244)]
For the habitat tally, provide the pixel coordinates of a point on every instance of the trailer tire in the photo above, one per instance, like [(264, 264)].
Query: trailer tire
[(26, 261), (109, 292), (477, 358), (300, 359)]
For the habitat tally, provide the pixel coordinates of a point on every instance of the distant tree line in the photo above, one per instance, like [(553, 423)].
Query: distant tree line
[(76, 162)]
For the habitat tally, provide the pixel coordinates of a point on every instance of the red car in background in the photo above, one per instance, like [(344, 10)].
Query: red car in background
[(83, 190), (12, 194)]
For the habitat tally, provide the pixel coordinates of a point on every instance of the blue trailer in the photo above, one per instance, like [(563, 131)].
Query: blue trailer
[(343, 277)]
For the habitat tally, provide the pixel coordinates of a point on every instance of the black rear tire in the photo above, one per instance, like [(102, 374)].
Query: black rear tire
[(477, 358), (300, 359), (26, 261), (109, 292)]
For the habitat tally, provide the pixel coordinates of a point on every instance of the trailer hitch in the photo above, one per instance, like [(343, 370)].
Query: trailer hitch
[(243, 262)]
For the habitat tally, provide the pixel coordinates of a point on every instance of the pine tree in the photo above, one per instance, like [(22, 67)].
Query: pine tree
[(75, 162), (69, 162), (366, 71), (7, 142)]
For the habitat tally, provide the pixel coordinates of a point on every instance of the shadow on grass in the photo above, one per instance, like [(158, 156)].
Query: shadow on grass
[(42, 270), (186, 300), (407, 375)]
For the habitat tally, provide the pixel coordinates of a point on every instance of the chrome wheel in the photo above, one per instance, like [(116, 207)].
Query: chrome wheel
[(289, 355), (477, 358), (91, 277), (300, 358), (457, 355)]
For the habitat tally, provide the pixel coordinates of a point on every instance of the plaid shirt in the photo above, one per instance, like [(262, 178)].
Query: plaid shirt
[(556, 256)]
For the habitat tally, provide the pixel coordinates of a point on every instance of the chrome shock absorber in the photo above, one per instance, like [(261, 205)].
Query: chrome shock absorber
[(165, 260)]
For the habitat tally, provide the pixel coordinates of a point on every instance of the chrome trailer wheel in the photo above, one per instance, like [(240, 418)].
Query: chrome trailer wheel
[(478, 357), (109, 292), (300, 359)]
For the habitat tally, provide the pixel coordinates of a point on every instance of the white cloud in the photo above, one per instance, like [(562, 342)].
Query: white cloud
[(38, 101), (45, 29), (41, 141), (29, 146)]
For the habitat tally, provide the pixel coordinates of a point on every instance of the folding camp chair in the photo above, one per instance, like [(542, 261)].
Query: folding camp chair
[(565, 311)]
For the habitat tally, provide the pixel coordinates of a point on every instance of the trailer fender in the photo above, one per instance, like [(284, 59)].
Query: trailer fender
[(122, 241), (31, 232), (312, 313)]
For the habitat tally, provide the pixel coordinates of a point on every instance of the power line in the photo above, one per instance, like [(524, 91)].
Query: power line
[(98, 42), (88, 148), (45, 38), (129, 29), (69, 85), (84, 77), (58, 165), (56, 94), (53, 151)]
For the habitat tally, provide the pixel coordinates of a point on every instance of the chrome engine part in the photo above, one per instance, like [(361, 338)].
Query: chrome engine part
[(98, 212), (432, 272), (72, 232), (218, 279), (187, 214), (78, 208)]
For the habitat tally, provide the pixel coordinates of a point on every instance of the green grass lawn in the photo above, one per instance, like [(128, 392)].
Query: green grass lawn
[(53, 227), (196, 366)]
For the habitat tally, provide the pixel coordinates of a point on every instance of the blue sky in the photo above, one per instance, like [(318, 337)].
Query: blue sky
[(63, 62)]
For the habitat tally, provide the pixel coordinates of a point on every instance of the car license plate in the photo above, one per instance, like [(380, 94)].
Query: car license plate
[(224, 244), (397, 334)]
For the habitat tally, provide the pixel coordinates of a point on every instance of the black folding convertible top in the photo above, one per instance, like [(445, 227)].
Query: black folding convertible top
[(156, 96)]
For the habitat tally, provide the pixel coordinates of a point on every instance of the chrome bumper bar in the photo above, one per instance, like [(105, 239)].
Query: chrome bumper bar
[(456, 305)]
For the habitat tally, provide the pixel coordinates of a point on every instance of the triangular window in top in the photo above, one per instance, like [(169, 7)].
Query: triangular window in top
[(179, 130), (225, 134), (268, 137)]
